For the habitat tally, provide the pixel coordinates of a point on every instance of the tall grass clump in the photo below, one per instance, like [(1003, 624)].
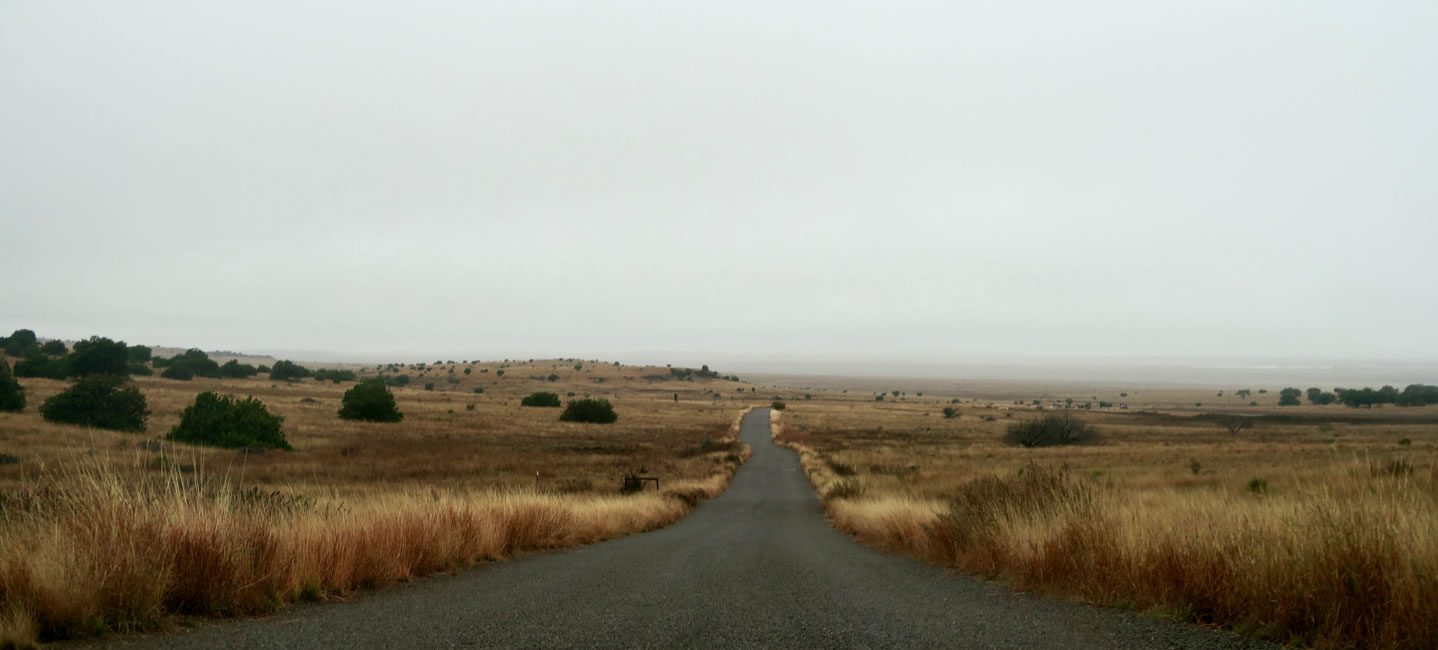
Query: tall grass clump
[(1349, 563), (89, 552)]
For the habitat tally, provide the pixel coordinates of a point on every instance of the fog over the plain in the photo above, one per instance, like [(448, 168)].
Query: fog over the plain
[(725, 183)]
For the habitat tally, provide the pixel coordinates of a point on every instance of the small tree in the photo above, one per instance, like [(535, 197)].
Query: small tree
[(1051, 430), (1235, 423), (950, 412), (371, 401), (12, 394), (540, 399), (777, 405), (1289, 397), (101, 401), (589, 410), (224, 421), (54, 347)]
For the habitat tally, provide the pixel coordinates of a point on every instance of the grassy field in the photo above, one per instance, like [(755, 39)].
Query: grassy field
[(104, 531), (1314, 526)]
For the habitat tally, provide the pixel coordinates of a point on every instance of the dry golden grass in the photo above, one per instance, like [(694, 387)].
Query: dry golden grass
[(99, 532), (1339, 550)]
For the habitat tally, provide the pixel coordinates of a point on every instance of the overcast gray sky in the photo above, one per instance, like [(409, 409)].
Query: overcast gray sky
[(723, 181)]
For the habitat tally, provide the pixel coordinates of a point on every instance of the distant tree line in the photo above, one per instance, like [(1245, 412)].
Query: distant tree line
[(1411, 395)]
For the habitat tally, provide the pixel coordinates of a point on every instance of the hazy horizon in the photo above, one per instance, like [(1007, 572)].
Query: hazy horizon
[(738, 184)]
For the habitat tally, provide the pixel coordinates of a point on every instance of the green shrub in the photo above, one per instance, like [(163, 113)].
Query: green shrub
[(179, 373), (1289, 397), (1258, 486), (334, 375), (224, 421), (21, 342), (478, 389), (1051, 430), (36, 364), (12, 394), (371, 401), (397, 380), (139, 353), (54, 348), (233, 369), (950, 412), (589, 410), (286, 370), (195, 361), (429, 386), (101, 401), (777, 405), (552, 377), (98, 356), (540, 399), (137, 368), (263, 369)]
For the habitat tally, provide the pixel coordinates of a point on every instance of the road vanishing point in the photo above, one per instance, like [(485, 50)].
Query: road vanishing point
[(758, 567)]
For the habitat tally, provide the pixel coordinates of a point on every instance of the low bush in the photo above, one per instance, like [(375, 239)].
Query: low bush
[(236, 370), (178, 373), (598, 411), (224, 421), (334, 375), (54, 348), (101, 401), (37, 365), (138, 368), (12, 394), (540, 399), (370, 401), (1049, 431), (286, 370), (193, 360), (777, 405)]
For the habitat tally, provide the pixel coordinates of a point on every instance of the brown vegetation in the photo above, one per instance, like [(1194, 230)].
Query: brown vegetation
[(103, 531), (1295, 530)]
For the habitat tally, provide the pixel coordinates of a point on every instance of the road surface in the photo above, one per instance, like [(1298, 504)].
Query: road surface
[(757, 567)]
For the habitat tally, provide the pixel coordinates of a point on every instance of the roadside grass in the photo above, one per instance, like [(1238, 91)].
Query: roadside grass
[(1338, 549), (108, 532)]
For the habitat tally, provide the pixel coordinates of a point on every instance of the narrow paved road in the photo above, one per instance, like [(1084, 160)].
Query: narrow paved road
[(757, 567)]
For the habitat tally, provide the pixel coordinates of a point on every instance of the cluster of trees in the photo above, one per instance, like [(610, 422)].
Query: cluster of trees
[(94, 356), (187, 365), (689, 374), (1411, 395)]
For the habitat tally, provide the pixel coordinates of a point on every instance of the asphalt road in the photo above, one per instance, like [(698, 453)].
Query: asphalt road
[(757, 567)]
